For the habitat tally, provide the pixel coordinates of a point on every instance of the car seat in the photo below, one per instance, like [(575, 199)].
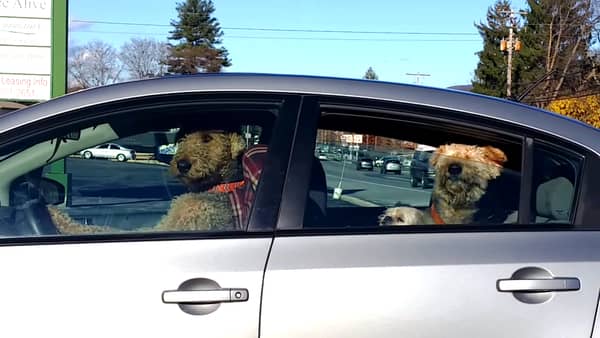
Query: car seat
[(553, 200)]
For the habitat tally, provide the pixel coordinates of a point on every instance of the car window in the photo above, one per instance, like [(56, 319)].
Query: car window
[(555, 173), (102, 146), (185, 170), (456, 180), (112, 146)]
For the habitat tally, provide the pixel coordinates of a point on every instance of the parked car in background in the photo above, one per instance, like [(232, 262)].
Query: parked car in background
[(109, 151), (421, 172), (406, 160), (302, 264), (391, 164), (378, 161), (364, 163)]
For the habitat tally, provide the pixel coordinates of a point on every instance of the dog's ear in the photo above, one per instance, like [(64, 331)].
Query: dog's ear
[(494, 155), (237, 145)]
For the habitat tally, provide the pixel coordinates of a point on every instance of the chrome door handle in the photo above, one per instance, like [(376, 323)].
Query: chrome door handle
[(204, 296), (538, 285)]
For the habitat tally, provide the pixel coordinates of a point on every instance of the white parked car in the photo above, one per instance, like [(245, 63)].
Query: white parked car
[(109, 151)]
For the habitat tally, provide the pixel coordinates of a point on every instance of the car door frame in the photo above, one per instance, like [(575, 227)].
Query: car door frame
[(583, 213), (263, 215), (309, 243)]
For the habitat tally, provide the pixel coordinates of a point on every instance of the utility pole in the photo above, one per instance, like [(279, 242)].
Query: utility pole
[(417, 75), (509, 46)]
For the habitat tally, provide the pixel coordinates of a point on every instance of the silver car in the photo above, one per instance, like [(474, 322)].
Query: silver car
[(301, 264), (109, 151)]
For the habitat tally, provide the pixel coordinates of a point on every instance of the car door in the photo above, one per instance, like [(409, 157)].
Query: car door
[(113, 151), (346, 276), (102, 151), (129, 281)]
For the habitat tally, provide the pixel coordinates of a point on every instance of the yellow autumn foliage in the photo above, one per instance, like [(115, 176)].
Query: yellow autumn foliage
[(586, 109)]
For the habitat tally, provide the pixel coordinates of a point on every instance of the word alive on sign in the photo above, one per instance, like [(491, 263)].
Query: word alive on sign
[(24, 4), (26, 8)]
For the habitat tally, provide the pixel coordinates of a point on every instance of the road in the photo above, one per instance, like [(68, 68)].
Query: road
[(372, 186), (111, 193)]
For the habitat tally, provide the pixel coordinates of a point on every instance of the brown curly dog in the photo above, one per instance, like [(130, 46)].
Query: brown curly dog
[(462, 176)]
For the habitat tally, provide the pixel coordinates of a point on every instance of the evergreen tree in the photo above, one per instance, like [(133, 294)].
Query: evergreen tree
[(370, 74), (554, 60), (198, 35), (490, 75)]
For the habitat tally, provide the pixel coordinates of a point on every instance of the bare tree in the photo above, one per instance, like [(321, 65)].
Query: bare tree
[(93, 64), (144, 57), (562, 34)]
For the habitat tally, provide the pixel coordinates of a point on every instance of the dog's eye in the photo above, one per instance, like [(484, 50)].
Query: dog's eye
[(206, 138)]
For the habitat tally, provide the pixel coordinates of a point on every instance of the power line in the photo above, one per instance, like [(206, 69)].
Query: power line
[(308, 38), (262, 29)]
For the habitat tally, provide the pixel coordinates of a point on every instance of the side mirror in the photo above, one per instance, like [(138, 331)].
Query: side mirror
[(52, 191), (22, 190)]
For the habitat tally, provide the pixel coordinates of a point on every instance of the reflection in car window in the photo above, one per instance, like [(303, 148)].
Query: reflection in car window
[(440, 183), (135, 185)]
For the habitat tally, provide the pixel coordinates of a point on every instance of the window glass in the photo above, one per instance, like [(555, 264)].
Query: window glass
[(555, 174), (373, 179), (174, 173)]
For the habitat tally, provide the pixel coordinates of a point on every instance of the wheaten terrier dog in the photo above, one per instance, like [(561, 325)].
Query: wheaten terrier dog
[(462, 176)]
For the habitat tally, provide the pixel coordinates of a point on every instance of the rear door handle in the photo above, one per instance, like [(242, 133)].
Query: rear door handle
[(538, 285), (204, 296)]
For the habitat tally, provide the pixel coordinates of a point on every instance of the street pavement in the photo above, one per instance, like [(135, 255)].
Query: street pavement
[(114, 191), (373, 187)]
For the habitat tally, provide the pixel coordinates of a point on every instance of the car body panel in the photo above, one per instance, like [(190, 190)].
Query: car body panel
[(426, 285), (115, 289)]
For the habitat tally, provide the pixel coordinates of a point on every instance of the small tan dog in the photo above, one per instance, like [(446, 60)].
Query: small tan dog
[(462, 176)]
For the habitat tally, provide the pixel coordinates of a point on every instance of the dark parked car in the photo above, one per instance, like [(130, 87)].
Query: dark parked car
[(364, 163), (421, 171), (301, 264)]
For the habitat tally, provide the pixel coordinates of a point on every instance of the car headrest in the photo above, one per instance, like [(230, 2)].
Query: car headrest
[(554, 198)]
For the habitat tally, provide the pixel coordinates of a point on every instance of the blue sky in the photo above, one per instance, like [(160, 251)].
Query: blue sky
[(435, 37)]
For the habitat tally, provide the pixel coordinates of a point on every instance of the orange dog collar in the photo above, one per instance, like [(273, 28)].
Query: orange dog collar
[(227, 187), (436, 216)]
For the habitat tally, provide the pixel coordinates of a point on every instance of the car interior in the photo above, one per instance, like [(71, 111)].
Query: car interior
[(552, 198), (24, 167)]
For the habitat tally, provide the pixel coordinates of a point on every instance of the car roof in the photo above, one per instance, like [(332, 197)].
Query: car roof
[(466, 102)]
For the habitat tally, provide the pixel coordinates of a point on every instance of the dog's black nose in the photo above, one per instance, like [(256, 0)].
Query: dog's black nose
[(183, 166), (454, 169), (387, 220)]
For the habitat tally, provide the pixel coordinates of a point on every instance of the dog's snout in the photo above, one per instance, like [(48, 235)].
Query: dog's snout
[(183, 166), (387, 220), (454, 169)]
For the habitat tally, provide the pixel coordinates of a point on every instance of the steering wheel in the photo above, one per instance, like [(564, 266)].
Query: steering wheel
[(37, 219)]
